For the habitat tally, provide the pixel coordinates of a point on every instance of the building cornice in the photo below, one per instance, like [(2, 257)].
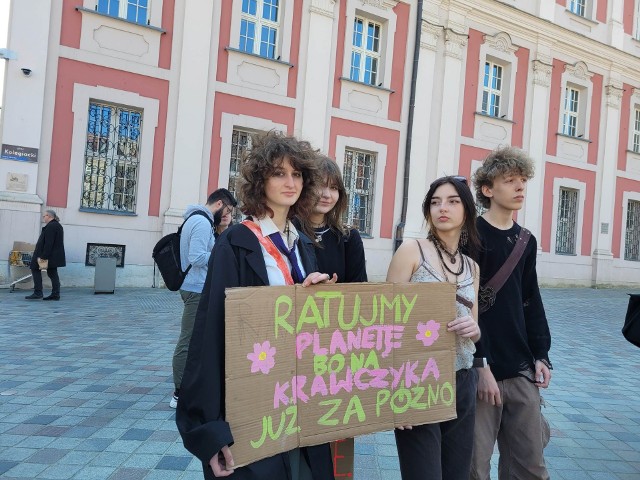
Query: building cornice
[(518, 23)]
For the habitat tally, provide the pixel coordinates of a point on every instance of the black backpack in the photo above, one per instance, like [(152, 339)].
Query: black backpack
[(166, 254)]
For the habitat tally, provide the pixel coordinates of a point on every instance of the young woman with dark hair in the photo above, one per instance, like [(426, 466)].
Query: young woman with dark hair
[(443, 450), (279, 179), (340, 250)]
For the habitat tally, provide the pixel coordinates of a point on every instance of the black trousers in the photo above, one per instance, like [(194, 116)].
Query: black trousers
[(442, 451), (53, 276)]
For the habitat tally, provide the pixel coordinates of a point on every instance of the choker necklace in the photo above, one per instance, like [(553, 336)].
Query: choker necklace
[(441, 248), (444, 264)]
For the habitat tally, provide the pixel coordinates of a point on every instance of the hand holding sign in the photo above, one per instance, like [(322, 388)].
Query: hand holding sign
[(222, 463)]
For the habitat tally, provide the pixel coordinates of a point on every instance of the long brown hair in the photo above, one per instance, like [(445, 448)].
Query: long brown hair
[(330, 173), (267, 153), (470, 213)]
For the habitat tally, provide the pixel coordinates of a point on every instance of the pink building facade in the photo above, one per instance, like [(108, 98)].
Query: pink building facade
[(136, 108)]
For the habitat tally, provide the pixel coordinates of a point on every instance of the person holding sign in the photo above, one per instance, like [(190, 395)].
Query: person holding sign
[(443, 450), (279, 180)]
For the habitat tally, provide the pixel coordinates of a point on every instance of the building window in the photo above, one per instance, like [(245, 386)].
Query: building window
[(133, 10), (578, 7), (632, 234), (112, 158), (240, 145), (567, 222), (570, 111), (359, 176), (636, 34), (259, 27), (636, 131), (365, 51), (492, 89)]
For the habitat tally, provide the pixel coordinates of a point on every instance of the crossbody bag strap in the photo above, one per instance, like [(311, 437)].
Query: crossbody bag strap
[(271, 250), (489, 291)]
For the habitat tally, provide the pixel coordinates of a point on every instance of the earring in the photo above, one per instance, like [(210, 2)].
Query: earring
[(464, 237)]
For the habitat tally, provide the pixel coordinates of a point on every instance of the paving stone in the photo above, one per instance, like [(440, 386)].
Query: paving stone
[(103, 382)]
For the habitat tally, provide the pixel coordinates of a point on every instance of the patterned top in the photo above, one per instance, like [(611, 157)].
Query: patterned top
[(465, 348)]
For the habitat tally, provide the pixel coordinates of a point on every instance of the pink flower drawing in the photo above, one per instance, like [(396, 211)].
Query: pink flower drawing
[(428, 332), (262, 358)]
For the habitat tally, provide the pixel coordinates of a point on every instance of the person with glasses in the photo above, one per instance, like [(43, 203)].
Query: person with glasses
[(279, 180), (48, 255), (444, 450), (196, 242)]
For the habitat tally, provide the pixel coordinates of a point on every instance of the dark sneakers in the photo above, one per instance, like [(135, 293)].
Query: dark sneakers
[(33, 296), (52, 297)]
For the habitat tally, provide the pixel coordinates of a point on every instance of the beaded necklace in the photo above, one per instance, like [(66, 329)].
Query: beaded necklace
[(444, 264), (441, 248)]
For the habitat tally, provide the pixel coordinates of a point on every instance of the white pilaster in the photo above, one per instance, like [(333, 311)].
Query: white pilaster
[(418, 176), (318, 66), (538, 139), (454, 44), (190, 160)]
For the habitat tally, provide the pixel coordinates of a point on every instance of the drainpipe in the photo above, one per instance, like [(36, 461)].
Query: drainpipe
[(407, 153)]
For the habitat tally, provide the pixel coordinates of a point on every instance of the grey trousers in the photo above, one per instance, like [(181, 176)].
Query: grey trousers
[(518, 427), (191, 300)]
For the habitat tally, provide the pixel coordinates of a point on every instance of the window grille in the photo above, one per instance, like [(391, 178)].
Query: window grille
[(492, 89), (133, 10), (632, 234), (112, 158), (240, 144), (636, 131), (567, 222), (259, 27), (578, 7), (570, 116), (359, 179), (365, 51)]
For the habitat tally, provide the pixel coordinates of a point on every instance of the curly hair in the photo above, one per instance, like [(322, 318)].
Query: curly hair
[(500, 162), (267, 153)]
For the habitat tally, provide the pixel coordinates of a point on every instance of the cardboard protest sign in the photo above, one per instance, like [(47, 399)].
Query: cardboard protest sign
[(305, 366)]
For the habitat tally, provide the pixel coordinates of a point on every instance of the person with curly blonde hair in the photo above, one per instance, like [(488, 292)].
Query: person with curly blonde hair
[(513, 353), (279, 180)]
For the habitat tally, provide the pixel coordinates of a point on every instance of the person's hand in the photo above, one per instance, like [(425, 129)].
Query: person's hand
[(488, 390), (222, 463), (465, 327), (405, 427), (317, 277), (543, 374)]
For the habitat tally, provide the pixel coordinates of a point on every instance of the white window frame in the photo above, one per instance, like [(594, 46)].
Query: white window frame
[(635, 136), (573, 184), (123, 8), (353, 143), (626, 198), (571, 111), (82, 95), (369, 192), (387, 20), (577, 77), (499, 50), (578, 7), (492, 84), (259, 23), (636, 21), (365, 52)]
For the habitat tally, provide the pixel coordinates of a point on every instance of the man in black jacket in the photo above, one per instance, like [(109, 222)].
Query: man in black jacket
[(513, 353), (49, 250)]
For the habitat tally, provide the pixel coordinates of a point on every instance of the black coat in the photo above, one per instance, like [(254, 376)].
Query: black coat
[(236, 261), (50, 246)]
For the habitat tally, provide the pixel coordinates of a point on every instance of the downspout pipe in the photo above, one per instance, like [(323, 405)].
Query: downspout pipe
[(407, 154)]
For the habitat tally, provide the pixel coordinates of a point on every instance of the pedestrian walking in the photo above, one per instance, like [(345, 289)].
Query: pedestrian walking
[(48, 255)]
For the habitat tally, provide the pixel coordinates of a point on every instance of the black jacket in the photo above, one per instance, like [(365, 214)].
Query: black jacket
[(236, 261), (50, 246)]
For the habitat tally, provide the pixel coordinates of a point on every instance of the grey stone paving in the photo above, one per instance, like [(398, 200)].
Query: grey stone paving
[(85, 385)]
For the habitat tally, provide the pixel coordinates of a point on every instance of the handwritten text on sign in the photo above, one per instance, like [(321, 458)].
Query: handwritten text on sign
[(306, 366)]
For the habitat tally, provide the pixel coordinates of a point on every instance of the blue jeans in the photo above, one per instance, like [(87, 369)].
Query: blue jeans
[(442, 451)]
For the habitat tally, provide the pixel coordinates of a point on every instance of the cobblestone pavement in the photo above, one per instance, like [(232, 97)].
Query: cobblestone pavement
[(85, 386)]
